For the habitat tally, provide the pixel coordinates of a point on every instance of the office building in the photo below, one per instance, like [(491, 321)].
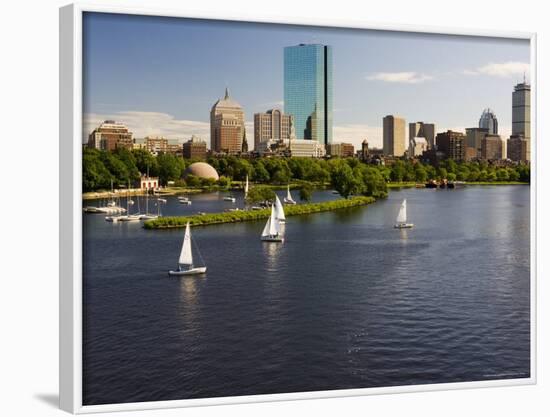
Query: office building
[(341, 150), (518, 148), (394, 136), (308, 91), (271, 125), (488, 120), (474, 137), (491, 148), (227, 126), (521, 114), (111, 135), (452, 145), (421, 130), (194, 148)]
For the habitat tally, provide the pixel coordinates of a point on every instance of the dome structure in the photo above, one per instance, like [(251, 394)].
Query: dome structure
[(202, 170)]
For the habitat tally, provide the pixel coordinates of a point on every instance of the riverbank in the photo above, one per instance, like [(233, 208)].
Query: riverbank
[(250, 215)]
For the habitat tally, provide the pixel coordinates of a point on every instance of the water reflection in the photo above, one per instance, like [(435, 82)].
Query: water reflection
[(272, 252)]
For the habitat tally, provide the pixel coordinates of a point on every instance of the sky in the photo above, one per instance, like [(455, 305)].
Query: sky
[(161, 76)]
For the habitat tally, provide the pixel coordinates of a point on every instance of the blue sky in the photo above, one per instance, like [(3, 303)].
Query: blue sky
[(161, 76)]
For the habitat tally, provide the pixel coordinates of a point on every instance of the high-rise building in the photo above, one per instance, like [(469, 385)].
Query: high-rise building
[(452, 145), (271, 125), (394, 136), (518, 148), (308, 90), (421, 130), (474, 137), (111, 135), (491, 148), (194, 148), (226, 125), (488, 120), (521, 114)]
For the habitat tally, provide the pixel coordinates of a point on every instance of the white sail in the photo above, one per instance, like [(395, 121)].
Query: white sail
[(267, 226), (288, 195), (246, 186), (402, 215), (279, 210), (186, 255), (273, 223)]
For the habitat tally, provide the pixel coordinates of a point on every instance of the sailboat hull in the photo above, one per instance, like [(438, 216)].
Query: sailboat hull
[(403, 226), (192, 271), (287, 201), (272, 239)]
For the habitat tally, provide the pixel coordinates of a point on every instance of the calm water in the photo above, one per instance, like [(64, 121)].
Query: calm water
[(346, 302)]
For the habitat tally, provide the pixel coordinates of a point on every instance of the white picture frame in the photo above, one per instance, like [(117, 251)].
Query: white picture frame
[(70, 150)]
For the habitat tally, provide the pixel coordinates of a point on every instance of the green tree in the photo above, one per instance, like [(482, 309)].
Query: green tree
[(260, 193), (306, 191), (94, 173), (224, 182), (346, 181), (170, 167)]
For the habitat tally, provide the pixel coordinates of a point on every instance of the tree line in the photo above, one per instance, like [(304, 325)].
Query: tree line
[(348, 176)]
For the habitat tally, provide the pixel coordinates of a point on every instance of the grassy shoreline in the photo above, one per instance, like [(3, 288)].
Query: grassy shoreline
[(242, 216)]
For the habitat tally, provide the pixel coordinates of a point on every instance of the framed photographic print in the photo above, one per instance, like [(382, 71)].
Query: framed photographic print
[(257, 209)]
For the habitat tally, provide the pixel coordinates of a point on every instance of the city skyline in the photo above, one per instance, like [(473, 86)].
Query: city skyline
[(160, 76)]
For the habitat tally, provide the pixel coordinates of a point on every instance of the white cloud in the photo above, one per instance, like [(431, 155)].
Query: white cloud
[(503, 69), (400, 77)]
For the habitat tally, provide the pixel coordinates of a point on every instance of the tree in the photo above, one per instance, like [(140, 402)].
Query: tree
[(397, 171), (420, 173), (346, 181), (224, 182), (94, 173), (116, 167), (260, 193), (170, 167), (375, 183), (260, 173), (192, 181), (306, 192)]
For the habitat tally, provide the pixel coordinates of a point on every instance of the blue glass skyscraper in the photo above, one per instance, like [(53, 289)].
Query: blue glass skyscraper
[(308, 90)]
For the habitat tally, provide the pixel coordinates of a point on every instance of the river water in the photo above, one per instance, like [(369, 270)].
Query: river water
[(345, 302)]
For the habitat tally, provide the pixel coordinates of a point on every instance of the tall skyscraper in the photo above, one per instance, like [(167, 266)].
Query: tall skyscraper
[(308, 90), (488, 120), (394, 135), (226, 125), (521, 115), (421, 130), (271, 125)]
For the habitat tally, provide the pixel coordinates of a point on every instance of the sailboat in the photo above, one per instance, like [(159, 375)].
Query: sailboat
[(246, 187), (401, 221), (185, 262), (279, 210), (129, 217), (288, 199), (272, 229), (147, 215)]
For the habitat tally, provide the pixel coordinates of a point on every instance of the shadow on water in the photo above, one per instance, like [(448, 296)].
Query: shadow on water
[(49, 399)]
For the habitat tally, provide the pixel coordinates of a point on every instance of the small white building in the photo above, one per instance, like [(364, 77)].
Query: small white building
[(148, 183)]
